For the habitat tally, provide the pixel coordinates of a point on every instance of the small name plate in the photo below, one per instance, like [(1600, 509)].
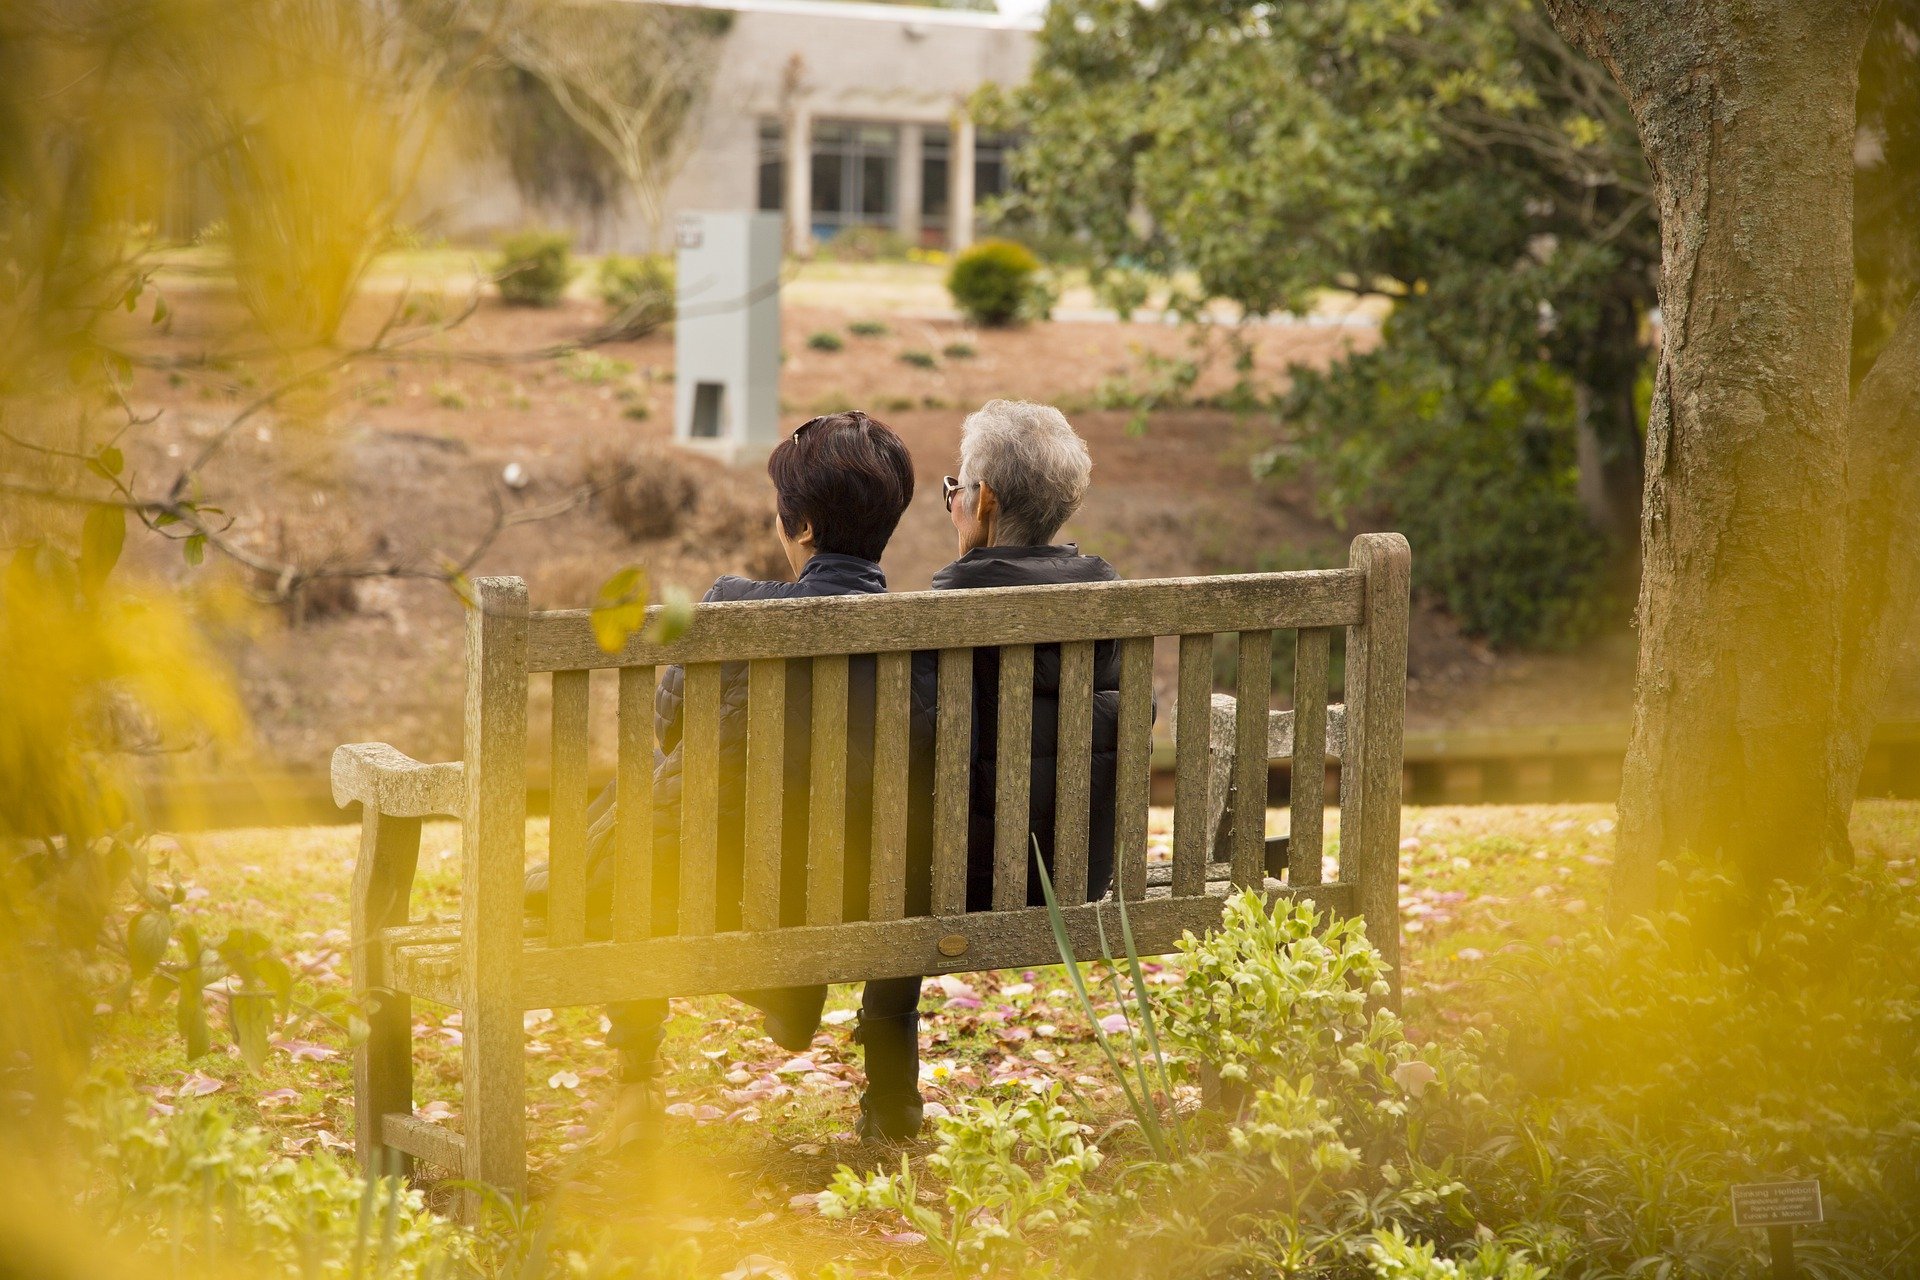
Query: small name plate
[(1777, 1204)]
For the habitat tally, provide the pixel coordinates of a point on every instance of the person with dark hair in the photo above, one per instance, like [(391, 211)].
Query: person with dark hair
[(841, 483)]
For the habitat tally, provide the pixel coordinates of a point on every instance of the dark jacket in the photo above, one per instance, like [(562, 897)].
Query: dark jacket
[(1023, 567), (827, 574)]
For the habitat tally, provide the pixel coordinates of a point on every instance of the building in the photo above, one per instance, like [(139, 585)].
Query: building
[(835, 114)]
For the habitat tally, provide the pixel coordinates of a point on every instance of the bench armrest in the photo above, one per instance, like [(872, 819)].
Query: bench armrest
[(1279, 730), (393, 783)]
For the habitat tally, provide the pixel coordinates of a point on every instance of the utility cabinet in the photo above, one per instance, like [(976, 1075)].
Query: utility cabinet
[(726, 339)]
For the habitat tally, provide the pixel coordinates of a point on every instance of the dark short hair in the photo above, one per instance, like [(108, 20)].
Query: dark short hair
[(848, 476)]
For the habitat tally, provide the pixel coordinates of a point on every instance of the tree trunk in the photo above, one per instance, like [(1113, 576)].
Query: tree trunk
[(1746, 113)]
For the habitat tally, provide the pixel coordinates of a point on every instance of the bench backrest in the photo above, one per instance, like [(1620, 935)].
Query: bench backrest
[(507, 644)]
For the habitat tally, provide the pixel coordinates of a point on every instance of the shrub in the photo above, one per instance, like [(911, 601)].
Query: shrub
[(918, 359), (993, 282), (639, 291), (1475, 464), (866, 244), (534, 268), (867, 329), (647, 494), (824, 341), (959, 351)]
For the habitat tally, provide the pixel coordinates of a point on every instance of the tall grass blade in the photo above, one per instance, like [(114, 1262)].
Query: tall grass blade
[(1120, 1000), (1146, 1021), (1149, 1122)]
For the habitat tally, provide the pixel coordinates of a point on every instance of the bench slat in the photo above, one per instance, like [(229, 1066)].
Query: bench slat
[(740, 630), (599, 973), (1193, 716), (827, 791), (699, 800), (567, 812), (892, 726), (633, 807), (952, 749), (765, 783), (1012, 790), (1073, 774), (1133, 766), (1252, 693), (1307, 784)]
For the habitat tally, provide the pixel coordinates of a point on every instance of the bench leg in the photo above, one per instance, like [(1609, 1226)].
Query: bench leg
[(493, 1091), (383, 1063)]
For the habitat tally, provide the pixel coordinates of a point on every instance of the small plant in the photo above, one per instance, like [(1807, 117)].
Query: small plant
[(594, 368), (994, 282), (896, 404), (636, 412), (867, 329), (534, 268), (1123, 290), (449, 396), (918, 359), (647, 494), (959, 351), (824, 341), (639, 291), (1013, 1168)]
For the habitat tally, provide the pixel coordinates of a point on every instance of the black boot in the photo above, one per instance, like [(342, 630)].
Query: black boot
[(890, 1109), (792, 1014), (637, 1030)]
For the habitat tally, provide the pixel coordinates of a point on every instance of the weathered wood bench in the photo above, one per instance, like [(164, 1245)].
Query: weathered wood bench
[(492, 969)]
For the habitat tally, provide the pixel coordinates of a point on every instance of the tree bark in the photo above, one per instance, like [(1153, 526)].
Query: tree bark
[(1746, 114)]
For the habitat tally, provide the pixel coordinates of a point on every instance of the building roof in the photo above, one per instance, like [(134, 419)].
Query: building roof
[(855, 11)]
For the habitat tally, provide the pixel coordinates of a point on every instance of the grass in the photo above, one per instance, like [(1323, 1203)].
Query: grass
[(751, 1132)]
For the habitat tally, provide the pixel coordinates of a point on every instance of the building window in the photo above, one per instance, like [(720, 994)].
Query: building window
[(773, 167), (855, 172), (990, 171)]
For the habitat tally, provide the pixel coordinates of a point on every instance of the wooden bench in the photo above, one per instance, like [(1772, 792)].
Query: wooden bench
[(492, 969)]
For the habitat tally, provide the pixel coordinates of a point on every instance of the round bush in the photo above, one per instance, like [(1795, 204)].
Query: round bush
[(638, 290), (993, 282), (534, 267)]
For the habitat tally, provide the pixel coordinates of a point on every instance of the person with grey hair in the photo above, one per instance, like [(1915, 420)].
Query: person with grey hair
[(1023, 474)]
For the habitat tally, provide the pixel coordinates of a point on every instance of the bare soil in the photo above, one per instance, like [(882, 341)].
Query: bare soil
[(403, 458)]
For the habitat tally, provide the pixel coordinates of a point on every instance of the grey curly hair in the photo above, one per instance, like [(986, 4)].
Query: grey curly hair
[(1031, 458)]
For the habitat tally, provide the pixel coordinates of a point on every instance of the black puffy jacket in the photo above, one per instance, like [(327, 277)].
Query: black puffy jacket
[(827, 574), (1022, 567)]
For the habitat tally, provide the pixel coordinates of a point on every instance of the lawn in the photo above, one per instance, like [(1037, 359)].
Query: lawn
[(752, 1132)]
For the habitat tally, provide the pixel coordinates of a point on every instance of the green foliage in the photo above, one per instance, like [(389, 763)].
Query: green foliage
[(959, 351), (1015, 1169), (639, 291), (1631, 1077), (867, 329), (1461, 159), (993, 282), (197, 1182), (1467, 445), (534, 268), (918, 359), (865, 244), (824, 341)]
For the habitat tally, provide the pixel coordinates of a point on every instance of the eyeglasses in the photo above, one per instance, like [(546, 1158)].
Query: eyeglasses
[(948, 487)]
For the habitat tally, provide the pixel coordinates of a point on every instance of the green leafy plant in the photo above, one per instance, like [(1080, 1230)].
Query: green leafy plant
[(534, 268), (867, 329), (1015, 1167), (918, 359), (959, 351), (994, 283), (639, 291), (866, 244), (824, 340)]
